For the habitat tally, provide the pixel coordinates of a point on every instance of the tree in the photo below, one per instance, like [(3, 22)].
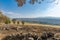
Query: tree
[(7, 21), (17, 22), (14, 20), (22, 22), (22, 2)]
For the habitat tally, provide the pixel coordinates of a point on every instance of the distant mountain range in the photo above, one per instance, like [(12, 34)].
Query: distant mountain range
[(43, 20)]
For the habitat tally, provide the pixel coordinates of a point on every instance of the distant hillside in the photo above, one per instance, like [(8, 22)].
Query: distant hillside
[(3, 18), (46, 20)]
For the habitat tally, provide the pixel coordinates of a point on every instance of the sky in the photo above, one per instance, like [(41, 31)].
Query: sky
[(47, 8)]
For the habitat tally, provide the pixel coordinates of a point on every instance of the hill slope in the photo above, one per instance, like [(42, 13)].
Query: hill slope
[(3, 17)]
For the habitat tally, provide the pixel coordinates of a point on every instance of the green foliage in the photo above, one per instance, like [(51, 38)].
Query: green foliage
[(14, 20), (7, 21), (22, 22), (17, 22), (3, 18)]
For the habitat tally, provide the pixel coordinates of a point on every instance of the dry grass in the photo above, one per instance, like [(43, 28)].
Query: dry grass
[(28, 27)]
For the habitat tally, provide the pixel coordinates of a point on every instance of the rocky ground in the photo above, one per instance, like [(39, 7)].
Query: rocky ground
[(13, 32)]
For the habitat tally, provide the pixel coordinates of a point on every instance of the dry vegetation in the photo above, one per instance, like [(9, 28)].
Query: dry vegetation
[(12, 29), (27, 28)]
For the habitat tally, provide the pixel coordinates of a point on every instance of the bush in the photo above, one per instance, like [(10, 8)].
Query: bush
[(7, 21), (14, 20), (17, 22), (22, 22)]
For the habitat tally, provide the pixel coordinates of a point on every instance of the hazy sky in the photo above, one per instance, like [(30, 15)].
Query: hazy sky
[(45, 9)]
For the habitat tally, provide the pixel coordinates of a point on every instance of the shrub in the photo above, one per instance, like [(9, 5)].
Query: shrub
[(17, 22), (14, 20), (22, 22), (7, 21)]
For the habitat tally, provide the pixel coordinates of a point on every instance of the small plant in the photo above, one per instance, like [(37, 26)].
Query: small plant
[(14, 20), (17, 22), (22, 22)]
